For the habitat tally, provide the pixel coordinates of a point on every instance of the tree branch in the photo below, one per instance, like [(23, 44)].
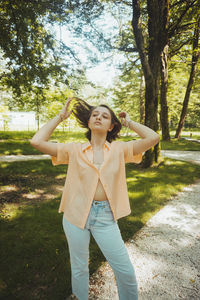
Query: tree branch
[(174, 27), (139, 38), (172, 53), (123, 48), (177, 3)]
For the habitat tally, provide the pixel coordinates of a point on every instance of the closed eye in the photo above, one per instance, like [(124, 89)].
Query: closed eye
[(103, 116)]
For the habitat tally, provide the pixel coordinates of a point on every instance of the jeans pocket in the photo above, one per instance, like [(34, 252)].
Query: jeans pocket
[(107, 211)]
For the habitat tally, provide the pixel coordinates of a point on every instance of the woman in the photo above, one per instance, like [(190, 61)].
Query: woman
[(95, 194)]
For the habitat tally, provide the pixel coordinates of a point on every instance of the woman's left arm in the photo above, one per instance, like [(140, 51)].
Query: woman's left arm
[(149, 137)]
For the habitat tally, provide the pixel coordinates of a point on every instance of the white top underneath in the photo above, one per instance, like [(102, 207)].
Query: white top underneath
[(98, 165)]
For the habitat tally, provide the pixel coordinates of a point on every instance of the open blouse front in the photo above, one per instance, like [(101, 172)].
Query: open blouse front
[(83, 176)]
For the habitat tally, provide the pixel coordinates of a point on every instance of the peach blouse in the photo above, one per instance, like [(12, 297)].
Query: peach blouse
[(83, 176)]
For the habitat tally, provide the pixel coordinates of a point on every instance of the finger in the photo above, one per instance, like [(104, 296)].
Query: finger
[(68, 102)]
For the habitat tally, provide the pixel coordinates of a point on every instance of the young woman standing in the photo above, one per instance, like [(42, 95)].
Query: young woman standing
[(95, 194)]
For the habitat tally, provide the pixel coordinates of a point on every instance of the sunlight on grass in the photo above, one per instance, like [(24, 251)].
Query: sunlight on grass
[(31, 195), (181, 145), (4, 165), (9, 188), (131, 179), (17, 143), (60, 176), (18, 151), (10, 210), (33, 240)]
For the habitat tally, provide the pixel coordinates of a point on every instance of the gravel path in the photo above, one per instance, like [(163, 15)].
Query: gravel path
[(165, 253), (191, 156), (10, 158)]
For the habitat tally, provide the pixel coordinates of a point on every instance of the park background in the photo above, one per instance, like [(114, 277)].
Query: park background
[(140, 57)]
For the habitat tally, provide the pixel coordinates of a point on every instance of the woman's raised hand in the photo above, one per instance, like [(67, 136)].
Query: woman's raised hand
[(125, 118), (64, 113)]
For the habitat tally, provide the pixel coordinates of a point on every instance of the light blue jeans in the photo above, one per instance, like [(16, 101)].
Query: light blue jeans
[(105, 231)]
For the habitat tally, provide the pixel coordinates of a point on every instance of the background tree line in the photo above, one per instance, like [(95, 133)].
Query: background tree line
[(159, 40)]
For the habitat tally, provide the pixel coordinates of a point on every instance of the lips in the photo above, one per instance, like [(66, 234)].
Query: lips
[(98, 123)]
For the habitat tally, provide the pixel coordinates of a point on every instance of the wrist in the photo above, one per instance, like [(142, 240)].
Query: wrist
[(127, 120), (59, 118)]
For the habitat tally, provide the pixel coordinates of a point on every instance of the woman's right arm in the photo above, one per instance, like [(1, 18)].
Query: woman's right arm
[(40, 139)]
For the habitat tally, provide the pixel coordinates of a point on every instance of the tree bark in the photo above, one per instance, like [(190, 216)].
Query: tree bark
[(163, 95), (150, 60), (142, 98), (37, 111), (195, 57)]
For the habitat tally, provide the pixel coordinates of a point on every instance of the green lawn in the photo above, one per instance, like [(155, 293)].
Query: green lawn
[(17, 143), (34, 255)]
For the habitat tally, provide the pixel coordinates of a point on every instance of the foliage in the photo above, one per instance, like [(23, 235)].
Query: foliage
[(4, 117), (33, 55), (36, 59), (126, 91), (179, 68), (180, 30)]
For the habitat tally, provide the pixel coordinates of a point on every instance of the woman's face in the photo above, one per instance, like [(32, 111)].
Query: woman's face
[(100, 119)]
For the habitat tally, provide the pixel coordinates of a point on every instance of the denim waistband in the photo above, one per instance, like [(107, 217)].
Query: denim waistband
[(100, 203)]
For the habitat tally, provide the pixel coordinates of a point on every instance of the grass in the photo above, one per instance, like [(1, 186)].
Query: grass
[(180, 145), (34, 252), (17, 143)]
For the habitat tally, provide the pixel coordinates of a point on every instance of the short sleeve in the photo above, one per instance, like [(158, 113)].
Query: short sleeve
[(63, 152), (128, 153)]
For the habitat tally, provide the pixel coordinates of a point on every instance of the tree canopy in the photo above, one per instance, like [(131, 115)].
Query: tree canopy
[(155, 38)]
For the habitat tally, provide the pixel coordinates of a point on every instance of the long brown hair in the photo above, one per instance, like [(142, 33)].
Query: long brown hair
[(82, 111)]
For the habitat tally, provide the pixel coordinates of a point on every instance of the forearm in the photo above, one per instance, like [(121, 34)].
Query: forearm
[(142, 130), (45, 131)]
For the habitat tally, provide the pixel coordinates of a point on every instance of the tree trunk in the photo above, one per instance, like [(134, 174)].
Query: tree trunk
[(142, 98), (195, 57), (157, 39), (37, 111), (151, 120), (163, 95)]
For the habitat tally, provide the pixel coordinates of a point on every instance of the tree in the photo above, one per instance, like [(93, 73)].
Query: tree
[(28, 43), (158, 14), (195, 57), (181, 21), (164, 121)]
